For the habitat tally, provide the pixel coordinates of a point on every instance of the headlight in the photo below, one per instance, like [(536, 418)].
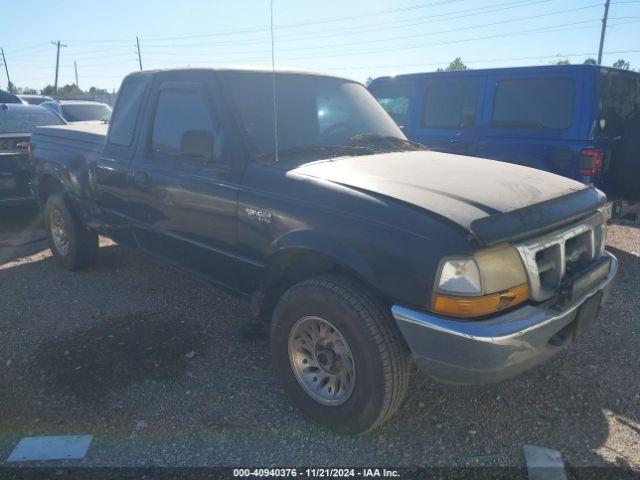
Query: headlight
[(460, 276), (491, 280)]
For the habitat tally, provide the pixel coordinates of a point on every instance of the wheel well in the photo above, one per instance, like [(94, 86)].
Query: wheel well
[(48, 186), (290, 268)]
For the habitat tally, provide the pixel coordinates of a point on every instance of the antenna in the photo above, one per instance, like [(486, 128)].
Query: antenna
[(273, 81), (139, 54)]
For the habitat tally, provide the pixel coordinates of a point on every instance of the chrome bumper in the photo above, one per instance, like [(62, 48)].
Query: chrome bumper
[(487, 351)]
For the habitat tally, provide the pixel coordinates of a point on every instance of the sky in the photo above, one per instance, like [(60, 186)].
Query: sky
[(355, 39)]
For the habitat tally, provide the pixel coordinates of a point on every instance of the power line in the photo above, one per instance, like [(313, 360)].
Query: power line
[(286, 26), (161, 60), (486, 60), (452, 42), (388, 39), (368, 28), (467, 12), (460, 29)]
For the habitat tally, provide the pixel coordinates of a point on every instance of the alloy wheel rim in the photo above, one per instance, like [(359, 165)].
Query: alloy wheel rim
[(58, 232), (322, 361)]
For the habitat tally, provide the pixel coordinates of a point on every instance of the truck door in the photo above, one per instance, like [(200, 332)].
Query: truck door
[(449, 106), (112, 167), (183, 184)]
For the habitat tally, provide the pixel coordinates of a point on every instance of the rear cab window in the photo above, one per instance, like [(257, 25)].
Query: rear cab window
[(534, 104)]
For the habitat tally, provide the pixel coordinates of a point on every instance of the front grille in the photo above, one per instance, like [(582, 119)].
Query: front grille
[(549, 259)]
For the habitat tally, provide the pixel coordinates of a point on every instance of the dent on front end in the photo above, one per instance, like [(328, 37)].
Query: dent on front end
[(488, 331)]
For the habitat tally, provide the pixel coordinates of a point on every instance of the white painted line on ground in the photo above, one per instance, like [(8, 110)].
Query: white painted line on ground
[(543, 463), (61, 447)]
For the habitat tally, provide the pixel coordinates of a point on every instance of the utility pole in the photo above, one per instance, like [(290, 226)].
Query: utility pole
[(75, 67), (604, 29), (6, 69), (55, 86), (139, 55)]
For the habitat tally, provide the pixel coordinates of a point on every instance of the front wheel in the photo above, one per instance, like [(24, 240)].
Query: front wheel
[(72, 245), (338, 354)]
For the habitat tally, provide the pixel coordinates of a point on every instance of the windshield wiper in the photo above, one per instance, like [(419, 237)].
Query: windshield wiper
[(325, 150), (387, 143)]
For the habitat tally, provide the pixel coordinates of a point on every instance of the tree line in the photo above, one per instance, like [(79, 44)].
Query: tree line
[(69, 90)]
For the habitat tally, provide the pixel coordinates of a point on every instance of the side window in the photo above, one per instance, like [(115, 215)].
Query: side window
[(123, 120), (534, 104), (395, 100), (179, 112), (450, 104)]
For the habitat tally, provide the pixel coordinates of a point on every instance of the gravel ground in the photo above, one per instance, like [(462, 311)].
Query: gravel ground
[(165, 370)]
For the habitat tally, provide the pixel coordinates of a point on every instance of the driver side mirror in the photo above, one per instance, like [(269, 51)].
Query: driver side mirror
[(197, 144)]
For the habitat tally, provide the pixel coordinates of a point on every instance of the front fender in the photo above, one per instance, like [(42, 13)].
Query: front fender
[(313, 241)]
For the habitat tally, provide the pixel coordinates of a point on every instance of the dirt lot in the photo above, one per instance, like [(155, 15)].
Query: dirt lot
[(164, 370)]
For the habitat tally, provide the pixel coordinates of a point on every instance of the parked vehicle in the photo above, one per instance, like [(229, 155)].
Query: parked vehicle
[(8, 97), (17, 121), (35, 99), (357, 245), (570, 120), (80, 110)]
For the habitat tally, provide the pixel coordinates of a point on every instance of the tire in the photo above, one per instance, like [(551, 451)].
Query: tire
[(360, 402), (73, 246)]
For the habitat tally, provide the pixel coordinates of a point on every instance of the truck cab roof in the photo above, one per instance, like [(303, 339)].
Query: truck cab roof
[(232, 69)]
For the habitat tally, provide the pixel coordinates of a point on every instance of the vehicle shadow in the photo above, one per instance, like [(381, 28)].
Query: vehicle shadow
[(93, 363)]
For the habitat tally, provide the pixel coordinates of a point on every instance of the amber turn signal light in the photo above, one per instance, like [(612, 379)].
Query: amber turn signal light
[(479, 306)]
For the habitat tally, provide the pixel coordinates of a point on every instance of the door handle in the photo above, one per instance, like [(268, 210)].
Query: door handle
[(140, 179)]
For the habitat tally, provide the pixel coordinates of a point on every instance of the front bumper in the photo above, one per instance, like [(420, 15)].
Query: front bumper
[(487, 351)]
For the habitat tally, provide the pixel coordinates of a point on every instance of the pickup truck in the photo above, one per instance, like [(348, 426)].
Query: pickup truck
[(360, 248)]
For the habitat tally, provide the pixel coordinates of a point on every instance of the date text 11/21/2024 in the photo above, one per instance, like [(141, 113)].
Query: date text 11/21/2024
[(317, 472)]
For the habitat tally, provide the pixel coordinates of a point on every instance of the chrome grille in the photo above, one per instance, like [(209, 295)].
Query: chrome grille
[(550, 258)]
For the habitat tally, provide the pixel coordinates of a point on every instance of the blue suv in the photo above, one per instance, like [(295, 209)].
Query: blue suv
[(578, 121)]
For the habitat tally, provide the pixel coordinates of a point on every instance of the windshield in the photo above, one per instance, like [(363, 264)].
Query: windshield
[(619, 95), (324, 115), (86, 112), (25, 120)]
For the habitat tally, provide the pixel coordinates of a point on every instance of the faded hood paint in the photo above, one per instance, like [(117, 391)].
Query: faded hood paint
[(495, 201)]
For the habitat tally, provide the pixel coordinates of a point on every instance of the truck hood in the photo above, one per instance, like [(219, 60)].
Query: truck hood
[(494, 201)]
